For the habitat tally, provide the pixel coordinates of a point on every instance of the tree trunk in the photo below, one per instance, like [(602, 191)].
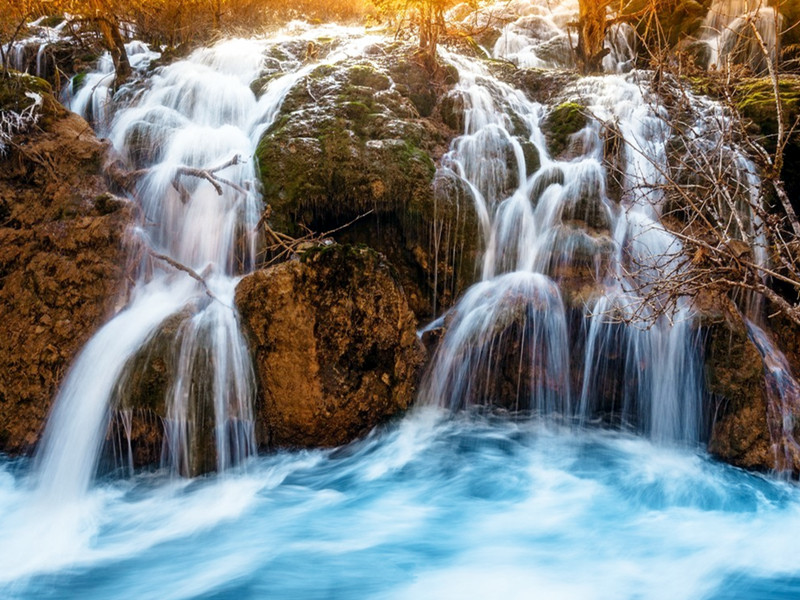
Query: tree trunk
[(108, 24), (592, 22), (217, 16)]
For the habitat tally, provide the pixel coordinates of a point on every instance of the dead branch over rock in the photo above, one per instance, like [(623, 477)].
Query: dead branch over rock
[(128, 180), (281, 246)]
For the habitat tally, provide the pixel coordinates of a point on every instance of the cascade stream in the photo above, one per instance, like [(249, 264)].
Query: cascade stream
[(609, 481)]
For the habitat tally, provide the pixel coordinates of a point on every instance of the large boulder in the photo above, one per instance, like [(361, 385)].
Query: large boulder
[(362, 137), (62, 263), (335, 346)]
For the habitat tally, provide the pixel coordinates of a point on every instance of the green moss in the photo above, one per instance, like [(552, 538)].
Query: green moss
[(367, 76), (563, 122), (78, 81), (410, 154), (52, 21), (14, 87), (755, 99), (322, 72), (257, 86)]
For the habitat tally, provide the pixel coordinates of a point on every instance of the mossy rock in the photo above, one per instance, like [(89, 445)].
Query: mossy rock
[(145, 388), (755, 99), (564, 121), (414, 82), (352, 139), (452, 111), (364, 75), (533, 162), (78, 81), (13, 90)]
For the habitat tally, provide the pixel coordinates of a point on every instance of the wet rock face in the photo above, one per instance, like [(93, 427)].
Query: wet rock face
[(61, 264), (363, 136), (735, 380), (136, 432), (335, 346), (564, 121)]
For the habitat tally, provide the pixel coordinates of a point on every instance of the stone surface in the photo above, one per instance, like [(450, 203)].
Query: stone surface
[(61, 263), (363, 136), (335, 346), (734, 374)]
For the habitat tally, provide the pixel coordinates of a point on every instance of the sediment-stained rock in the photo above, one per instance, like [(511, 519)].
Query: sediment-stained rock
[(62, 263), (335, 346)]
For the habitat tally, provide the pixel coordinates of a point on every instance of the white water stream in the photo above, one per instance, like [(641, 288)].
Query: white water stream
[(201, 114), (540, 222)]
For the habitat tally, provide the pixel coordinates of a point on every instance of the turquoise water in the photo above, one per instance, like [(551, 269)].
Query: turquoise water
[(470, 507)]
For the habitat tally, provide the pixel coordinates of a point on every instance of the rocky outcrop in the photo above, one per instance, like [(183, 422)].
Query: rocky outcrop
[(335, 346), (61, 259), (136, 432), (735, 380), (362, 136)]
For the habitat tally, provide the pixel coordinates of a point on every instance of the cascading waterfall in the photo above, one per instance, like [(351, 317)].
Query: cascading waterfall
[(29, 55), (742, 32), (467, 507), (538, 225), (783, 399), (543, 217), (543, 36), (197, 114), (90, 95), (552, 218)]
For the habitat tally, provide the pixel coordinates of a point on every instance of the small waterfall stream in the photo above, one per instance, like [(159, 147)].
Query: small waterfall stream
[(558, 323), (743, 32), (542, 221)]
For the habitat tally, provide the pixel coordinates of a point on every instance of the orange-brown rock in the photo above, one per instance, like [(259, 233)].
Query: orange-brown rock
[(61, 264), (335, 346)]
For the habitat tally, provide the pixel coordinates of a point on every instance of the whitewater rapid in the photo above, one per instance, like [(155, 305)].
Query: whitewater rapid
[(433, 507)]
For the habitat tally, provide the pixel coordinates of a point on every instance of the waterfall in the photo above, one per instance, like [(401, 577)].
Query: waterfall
[(543, 36), (193, 115), (29, 55), (783, 399), (559, 322), (742, 32), (544, 222)]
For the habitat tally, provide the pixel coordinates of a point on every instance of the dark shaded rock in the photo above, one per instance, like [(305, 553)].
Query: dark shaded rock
[(540, 85), (451, 109), (735, 379), (140, 401), (347, 142), (578, 262), (61, 262), (335, 346), (565, 120)]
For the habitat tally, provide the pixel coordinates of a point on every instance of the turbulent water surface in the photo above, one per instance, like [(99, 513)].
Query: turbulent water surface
[(431, 508)]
